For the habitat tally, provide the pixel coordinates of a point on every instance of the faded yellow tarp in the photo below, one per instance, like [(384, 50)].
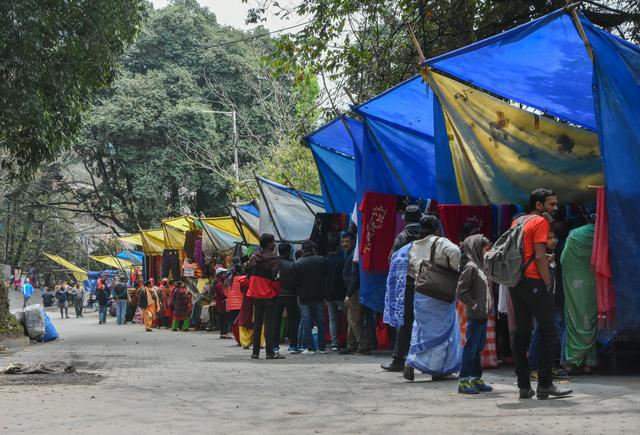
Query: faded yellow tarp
[(79, 273), (134, 239), (229, 225), (111, 261), (173, 238), (501, 152), (184, 223), (153, 241)]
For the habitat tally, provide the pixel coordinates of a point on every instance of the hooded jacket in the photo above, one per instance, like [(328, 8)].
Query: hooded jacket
[(311, 273), (474, 290), (411, 233), (263, 271)]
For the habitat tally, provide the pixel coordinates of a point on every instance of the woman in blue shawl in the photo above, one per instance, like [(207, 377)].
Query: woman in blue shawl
[(436, 346)]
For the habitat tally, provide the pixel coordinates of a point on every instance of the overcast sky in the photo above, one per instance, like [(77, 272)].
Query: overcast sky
[(234, 12)]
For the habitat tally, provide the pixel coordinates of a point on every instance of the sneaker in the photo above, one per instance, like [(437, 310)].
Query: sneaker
[(552, 390), (293, 350), (527, 393), (481, 386), (254, 356), (275, 356), (534, 375), (559, 373), (276, 350), (335, 348), (322, 351), (467, 387), (308, 352)]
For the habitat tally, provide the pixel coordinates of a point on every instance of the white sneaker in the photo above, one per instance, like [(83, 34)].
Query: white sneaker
[(308, 352)]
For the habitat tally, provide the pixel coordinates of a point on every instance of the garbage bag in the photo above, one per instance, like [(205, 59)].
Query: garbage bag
[(50, 332), (33, 318)]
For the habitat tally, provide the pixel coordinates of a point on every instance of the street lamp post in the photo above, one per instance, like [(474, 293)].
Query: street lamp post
[(232, 114)]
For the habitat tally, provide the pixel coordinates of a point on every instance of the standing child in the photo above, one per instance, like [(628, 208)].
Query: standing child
[(474, 290), (102, 296)]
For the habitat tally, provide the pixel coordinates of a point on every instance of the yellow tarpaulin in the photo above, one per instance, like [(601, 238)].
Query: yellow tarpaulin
[(173, 238), (501, 152), (183, 224), (79, 273), (153, 241), (134, 239), (229, 225), (115, 262)]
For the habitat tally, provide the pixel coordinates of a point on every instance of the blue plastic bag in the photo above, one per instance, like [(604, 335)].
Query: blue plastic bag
[(50, 332)]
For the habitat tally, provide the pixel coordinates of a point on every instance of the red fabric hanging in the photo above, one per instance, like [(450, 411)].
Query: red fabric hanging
[(378, 230), (453, 216), (602, 265)]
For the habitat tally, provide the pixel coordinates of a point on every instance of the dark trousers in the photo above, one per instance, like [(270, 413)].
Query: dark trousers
[(171, 263), (79, 306), (403, 336), (231, 317), (293, 319), (532, 300), (313, 314), (223, 325), (263, 313), (472, 353)]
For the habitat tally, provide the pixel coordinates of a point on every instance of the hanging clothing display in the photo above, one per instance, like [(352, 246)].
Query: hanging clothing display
[(601, 263), (378, 211), (171, 264), (396, 284), (325, 226), (190, 242), (580, 298), (198, 256), (453, 216)]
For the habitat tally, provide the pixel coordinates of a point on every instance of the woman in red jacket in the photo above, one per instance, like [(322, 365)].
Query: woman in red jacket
[(181, 305)]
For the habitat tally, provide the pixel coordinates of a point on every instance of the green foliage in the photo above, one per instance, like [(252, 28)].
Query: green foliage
[(366, 43), (9, 326), (54, 56), (150, 147)]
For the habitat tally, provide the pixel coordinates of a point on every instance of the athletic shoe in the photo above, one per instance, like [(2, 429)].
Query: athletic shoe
[(557, 373), (323, 351), (335, 348), (481, 386), (467, 387), (308, 352), (293, 350)]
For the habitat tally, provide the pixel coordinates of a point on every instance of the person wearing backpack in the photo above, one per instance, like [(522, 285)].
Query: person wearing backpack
[(533, 296)]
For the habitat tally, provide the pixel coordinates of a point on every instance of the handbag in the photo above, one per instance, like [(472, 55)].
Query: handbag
[(436, 281)]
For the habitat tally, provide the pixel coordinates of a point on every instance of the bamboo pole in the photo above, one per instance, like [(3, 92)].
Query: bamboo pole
[(572, 10)]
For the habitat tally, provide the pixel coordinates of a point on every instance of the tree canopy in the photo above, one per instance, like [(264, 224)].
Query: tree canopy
[(54, 56)]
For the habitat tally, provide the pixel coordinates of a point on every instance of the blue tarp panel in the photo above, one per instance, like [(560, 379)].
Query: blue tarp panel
[(401, 120), (616, 83), (250, 208), (542, 64), (136, 257), (92, 282), (338, 179), (335, 136)]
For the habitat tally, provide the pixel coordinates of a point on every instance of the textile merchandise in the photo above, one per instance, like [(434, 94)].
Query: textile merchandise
[(378, 222), (601, 262), (395, 291), (171, 264), (454, 216), (580, 302)]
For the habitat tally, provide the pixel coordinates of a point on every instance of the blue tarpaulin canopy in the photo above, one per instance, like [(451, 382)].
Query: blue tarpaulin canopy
[(333, 151), (135, 257), (545, 65)]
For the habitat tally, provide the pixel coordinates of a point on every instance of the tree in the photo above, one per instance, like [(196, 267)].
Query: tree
[(364, 45), (54, 56), (149, 146)]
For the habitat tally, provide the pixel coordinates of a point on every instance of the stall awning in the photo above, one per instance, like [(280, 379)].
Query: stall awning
[(228, 225), (112, 261), (153, 241), (134, 239), (79, 273)]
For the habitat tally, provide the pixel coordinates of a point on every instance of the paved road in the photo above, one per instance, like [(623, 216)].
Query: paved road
[(168, 382)]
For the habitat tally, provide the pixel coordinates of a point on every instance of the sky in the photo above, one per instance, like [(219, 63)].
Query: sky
[(234, 12)]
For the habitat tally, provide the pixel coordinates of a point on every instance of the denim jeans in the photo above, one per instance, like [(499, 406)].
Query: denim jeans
[(312, 314), (334, 308), (102, 313), (121, 311), (471, 355), (535, 340)]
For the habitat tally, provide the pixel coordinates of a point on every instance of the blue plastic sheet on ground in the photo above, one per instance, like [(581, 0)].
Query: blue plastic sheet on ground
[(617, 95), (50, 332), (542, 64)]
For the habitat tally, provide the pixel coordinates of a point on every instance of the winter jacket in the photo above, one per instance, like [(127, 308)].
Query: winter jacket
[(102, 296), (351, 274), (311, 273), (120, 291), (410, 234), (474, 290), (180, 301), (264, 267), (334, 285), (287, 278), (27, 290), (234, 292), (62, 296)]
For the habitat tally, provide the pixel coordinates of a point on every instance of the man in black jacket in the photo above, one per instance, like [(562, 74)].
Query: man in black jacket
[(287, 299), (335, 291), (357, 339), (412, 232), (311, 273)]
